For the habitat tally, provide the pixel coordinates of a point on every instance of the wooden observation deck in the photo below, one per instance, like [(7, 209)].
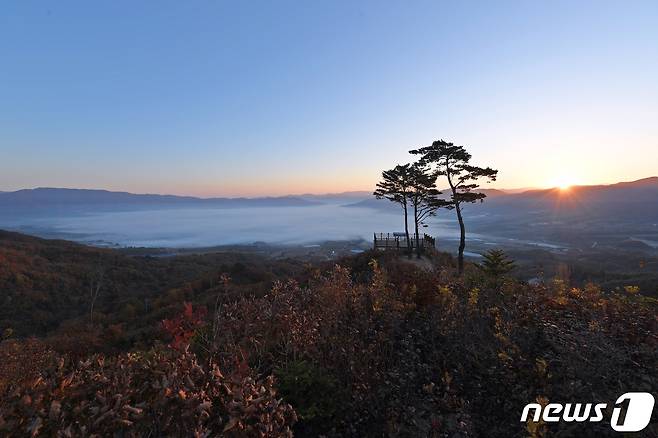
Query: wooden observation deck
[(398, 242)]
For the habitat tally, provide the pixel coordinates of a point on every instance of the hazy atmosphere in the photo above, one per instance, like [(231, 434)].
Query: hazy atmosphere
[(208, 227)]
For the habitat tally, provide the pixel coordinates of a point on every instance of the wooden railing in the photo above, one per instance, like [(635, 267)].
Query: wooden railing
[(398, 241)]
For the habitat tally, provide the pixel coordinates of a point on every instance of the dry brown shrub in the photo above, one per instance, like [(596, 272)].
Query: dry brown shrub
[(159, 393)]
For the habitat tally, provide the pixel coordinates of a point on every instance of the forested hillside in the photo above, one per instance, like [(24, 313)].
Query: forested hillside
[(223, 344), (48, 287)]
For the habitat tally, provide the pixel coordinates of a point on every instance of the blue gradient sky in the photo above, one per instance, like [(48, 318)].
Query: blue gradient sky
[(252, 98)]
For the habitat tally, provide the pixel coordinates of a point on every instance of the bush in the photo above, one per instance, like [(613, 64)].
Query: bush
[(392, 352), (157, 393), (312, 391)]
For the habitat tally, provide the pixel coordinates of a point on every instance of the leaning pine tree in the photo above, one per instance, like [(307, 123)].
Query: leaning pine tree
[(396, 187), (453, 162)]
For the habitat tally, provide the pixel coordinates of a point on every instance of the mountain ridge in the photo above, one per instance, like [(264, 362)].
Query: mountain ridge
[(628, 198), (650, 181), (644, 190), (51, 197)]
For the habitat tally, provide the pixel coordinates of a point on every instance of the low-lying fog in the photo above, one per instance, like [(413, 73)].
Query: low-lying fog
[(202, 227)]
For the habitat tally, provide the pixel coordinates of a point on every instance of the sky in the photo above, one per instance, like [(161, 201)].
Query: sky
[(214, 98)]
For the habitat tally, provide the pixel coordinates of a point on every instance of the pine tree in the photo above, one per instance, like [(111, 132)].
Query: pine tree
[(424, 198), (496, 263), (453, 162), (396, 186)]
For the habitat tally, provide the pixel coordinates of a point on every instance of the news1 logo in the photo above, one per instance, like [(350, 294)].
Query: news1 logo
[(639, 406)]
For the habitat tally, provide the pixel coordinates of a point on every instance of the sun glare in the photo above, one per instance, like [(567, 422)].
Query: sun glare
[(563, 182)]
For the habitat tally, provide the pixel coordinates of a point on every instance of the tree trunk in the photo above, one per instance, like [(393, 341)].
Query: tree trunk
[(94, 292), (416, 228), (94, 296), (406, 230), (462, 239), (458, 210)]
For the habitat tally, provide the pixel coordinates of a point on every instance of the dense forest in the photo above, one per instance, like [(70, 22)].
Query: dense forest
[(101, 342), (48, 286)]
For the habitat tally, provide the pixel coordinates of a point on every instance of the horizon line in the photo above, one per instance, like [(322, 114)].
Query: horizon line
[(300, 194)]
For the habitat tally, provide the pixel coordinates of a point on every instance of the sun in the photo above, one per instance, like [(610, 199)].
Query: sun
[(563, 182)]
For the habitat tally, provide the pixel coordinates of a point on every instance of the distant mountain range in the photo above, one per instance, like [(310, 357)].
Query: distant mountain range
[(383, 204), (628, 199), (632, 197), (624, 198), (644, 187), (59, 199), (343, 197)]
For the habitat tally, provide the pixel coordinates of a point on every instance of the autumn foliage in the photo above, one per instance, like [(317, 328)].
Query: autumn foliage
[(182, 328), (153, 393), (369, 347)]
